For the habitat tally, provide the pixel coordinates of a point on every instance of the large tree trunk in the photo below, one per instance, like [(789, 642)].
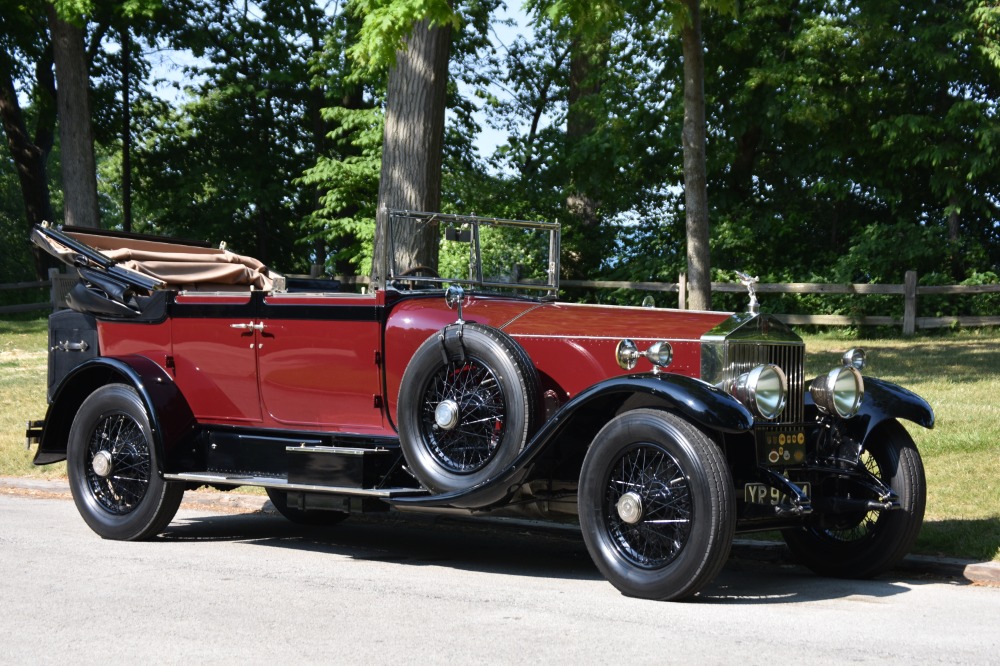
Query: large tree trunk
[(695, 187), (31, 155), (585, 246), (76, 141), (126, 129), (411, 148)]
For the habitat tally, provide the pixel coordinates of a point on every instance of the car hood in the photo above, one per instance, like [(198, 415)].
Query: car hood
[(611, 322)]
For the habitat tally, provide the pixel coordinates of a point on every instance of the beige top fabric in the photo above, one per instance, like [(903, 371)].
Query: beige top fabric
[(180, 266)]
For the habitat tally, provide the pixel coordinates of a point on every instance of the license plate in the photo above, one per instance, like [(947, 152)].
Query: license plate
[(759, 493)]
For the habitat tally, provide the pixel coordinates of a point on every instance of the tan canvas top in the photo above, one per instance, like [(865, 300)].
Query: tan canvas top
[(178, 266)]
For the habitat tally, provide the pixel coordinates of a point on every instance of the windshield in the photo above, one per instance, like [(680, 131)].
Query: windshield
[(482, 252)]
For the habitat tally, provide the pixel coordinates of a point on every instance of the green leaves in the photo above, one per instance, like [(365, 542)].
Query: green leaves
[(386, 23)]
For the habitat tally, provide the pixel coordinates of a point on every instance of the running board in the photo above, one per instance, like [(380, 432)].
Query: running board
[(209, 478)]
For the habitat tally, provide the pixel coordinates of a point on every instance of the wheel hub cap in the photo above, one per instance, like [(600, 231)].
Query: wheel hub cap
[(102, 464), (446, 414), (629, 508)]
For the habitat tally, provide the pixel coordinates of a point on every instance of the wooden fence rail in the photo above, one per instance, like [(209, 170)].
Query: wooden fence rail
[(910, 292)]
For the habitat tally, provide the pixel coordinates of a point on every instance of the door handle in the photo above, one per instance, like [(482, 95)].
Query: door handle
[(259, 326)]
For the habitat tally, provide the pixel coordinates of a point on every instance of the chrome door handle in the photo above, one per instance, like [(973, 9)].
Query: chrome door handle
[(259, 326)]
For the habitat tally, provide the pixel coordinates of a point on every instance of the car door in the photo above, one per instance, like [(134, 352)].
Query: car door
[(214, 354), (318, 360)]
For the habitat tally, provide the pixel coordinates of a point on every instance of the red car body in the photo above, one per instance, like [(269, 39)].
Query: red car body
[(413, 398)]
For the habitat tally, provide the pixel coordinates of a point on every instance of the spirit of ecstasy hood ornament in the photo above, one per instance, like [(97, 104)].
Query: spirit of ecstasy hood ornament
[(749, 283)]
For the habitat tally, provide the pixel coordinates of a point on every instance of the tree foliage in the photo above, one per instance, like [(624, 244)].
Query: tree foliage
[(845, 141)]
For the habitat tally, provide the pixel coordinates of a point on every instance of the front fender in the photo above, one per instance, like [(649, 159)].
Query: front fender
[(694, 399), (170, 417), (884, 401)]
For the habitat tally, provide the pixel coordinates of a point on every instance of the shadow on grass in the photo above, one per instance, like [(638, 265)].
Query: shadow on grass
[(977, 539)]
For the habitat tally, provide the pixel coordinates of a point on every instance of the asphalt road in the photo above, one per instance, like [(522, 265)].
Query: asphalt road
[(228, 588)]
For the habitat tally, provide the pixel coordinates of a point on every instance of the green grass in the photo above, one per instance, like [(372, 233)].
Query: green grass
[(957, 372), (22, 394)]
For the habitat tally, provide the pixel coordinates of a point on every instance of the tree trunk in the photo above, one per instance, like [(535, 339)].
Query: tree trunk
[(412, 148), (695, 181), (30, 156), (76, 141), (955, 240), (126, 130), (586, 67)]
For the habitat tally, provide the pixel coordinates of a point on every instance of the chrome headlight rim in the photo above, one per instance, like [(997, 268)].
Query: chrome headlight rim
[(660, 354), (854, 358), (763, 390), (839, 392), (626, 354)]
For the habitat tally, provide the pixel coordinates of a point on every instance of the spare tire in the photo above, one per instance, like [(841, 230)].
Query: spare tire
[(467, 405)]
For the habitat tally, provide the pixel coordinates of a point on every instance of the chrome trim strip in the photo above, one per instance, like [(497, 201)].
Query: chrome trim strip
[(275, 482)]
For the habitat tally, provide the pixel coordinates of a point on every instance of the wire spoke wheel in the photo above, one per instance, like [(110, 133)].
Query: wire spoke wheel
[(467, 405), (857, 527), (480, 407), (656, 505), (119, 440), (653, 477), (114, 472), (862, 544)]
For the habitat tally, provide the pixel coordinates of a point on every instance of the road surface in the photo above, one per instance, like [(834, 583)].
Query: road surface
[(253, 588)]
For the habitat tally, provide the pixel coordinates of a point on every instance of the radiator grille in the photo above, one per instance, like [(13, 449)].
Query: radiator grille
[(790, 357)]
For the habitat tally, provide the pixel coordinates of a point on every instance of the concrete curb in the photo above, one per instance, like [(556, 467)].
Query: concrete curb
[(982, 573)]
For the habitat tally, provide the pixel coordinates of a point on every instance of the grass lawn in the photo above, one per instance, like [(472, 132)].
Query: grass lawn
[(957, 372)]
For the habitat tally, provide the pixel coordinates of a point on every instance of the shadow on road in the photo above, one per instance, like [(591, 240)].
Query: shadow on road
[(511, 549)]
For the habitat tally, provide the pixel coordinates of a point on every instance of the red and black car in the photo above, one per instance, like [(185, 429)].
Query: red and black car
[(661, 432)]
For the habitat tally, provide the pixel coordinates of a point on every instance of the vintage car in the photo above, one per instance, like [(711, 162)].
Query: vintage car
[(662, 433)]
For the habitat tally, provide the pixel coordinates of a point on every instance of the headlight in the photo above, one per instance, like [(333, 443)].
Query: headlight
[(839, 392), (854, 358), (763, 391), (627, 354), (660, 354)]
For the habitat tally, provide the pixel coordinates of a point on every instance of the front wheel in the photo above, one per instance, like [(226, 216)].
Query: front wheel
[(865, 544), (113, 469), (656, 505)]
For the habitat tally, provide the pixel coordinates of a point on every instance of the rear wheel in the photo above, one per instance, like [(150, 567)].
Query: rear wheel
[(865, 544), (113, 469), (656, 505)]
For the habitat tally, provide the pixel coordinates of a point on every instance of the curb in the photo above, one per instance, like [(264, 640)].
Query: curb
[(774, 552)]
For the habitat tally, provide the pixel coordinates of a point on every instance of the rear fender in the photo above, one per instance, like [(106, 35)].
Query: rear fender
[(170, 417), (700, 402)]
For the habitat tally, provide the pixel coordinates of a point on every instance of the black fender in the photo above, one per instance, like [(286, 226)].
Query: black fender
[(704, 404), (170, 417), (883, 401), (886, 401)]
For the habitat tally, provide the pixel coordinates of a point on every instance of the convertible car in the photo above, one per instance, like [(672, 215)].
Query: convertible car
[(468, 387)]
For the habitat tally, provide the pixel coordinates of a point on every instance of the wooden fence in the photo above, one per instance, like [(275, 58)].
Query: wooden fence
[(55, 295), (910, 291)]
